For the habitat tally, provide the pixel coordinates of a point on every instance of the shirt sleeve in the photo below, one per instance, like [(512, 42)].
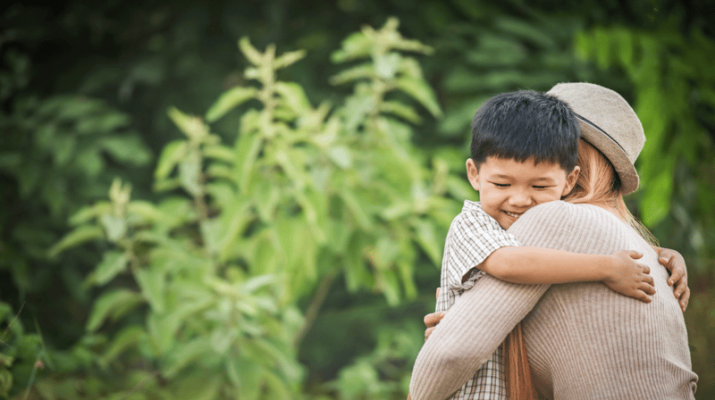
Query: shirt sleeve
[(482, 317), (475, 237)]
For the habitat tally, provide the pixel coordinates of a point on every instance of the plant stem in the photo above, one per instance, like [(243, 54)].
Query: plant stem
[(314, 308)]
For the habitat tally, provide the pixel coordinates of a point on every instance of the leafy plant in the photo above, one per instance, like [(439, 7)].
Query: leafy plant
[(209, 280)]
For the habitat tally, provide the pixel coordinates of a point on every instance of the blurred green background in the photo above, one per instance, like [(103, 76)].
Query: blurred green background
[(189, 214)]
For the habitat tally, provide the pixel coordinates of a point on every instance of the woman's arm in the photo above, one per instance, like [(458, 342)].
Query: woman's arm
[(483, 316), (470, 332)]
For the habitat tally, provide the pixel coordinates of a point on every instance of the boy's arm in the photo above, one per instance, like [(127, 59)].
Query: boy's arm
[(536, 265)]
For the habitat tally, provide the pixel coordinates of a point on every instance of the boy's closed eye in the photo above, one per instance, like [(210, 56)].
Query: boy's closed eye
[(501, 185)]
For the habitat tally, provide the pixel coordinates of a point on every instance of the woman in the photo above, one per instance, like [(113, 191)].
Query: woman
[(583, 340)]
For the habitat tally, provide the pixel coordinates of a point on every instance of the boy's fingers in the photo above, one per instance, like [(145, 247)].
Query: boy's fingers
[(635, 254), (643, 297), (645, 287), (646, 269), (428, 332), (649, 280)]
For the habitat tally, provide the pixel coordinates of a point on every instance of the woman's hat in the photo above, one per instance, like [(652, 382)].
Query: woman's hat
[(609, 124)]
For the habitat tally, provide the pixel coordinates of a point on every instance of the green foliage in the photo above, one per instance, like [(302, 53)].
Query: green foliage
[(673, 96), (214, 272), (21, 354), (132, 64)]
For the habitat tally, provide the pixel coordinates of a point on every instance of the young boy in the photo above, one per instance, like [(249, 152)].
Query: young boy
[(523, 153)]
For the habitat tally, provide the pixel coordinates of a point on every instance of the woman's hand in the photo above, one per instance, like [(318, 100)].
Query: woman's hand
[(628, 277), (431, 320), (674, 262)]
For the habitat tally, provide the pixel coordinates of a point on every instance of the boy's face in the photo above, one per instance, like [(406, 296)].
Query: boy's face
[(507, 188)]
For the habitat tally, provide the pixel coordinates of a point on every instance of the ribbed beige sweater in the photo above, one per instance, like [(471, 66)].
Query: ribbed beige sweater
[(584, 341)]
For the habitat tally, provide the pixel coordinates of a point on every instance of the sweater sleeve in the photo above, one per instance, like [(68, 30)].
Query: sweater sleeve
[(483, 316)]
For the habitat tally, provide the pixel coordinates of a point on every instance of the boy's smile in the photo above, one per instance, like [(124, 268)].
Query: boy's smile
[(507, 188)]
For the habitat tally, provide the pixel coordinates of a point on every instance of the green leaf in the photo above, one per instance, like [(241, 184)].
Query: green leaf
[(341, 156), (229, 100), (112, 304), (152, 284), (354, 46), (170, 156), (113, 263), (362, 71), (186, 354), (129, 337), (114, 227), (247, 147), (294, 97), (288, 59), (85, 214), (127, 149), (77, 236), (249, 51), (386, 66), (420, 91), (401, 110), (655, 203), (427, 238), (190, 173), (256, 283), (194, 128)]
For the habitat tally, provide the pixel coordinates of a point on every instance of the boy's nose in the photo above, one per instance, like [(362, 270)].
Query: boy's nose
[(520, 200)]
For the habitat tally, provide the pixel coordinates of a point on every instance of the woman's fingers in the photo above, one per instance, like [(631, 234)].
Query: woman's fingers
[(431, 320), (428, 332)]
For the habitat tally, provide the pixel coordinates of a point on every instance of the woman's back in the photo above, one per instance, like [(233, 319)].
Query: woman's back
[(586, 341)]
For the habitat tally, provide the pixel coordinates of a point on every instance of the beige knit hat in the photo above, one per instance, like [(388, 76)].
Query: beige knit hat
[(609, 124)]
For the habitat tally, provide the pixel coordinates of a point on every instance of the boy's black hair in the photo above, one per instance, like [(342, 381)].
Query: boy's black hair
[(526, 124)]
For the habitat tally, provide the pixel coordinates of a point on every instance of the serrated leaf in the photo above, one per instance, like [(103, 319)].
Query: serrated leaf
[(229, 100)]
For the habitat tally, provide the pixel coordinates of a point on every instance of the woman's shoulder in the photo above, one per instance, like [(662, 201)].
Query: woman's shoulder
[(559, 222)]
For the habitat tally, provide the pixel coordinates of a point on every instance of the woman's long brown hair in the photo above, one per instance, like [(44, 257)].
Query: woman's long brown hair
[(597, 184)]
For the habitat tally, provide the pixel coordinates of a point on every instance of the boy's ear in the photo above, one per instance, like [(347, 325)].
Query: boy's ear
[(571, 179), (473, 174)]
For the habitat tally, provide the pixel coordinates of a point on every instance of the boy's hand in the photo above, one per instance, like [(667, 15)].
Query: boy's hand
[(629, 278), (674, 262)]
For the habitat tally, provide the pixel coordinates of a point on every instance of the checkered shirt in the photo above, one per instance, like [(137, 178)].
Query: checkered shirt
[(472, 237)]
